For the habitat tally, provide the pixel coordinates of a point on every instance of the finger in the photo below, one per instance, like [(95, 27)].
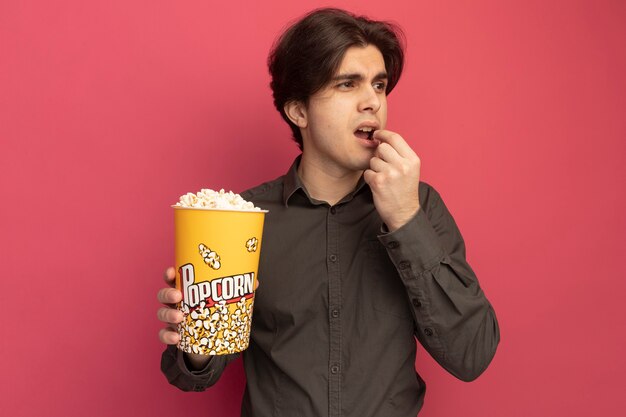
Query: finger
[(396, 141), (388, 154), (169, 296), (169, 336), (377, 164), (368, 176), (169, 275), (169, 315), (256, 284)]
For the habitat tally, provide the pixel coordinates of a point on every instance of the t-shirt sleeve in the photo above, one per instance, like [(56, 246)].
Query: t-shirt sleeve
[(454, 321), (177, 372)]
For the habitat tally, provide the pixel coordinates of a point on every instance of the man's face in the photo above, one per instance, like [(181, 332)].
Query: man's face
[(341, 117)]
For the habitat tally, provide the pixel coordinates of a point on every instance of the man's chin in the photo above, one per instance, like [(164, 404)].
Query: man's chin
[(364, 162), (362, 166)]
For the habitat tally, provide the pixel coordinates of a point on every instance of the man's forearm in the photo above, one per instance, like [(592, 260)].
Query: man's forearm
[(454, 320), (192, 372)]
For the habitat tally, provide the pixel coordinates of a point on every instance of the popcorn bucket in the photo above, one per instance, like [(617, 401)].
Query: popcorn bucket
[(217, 259)]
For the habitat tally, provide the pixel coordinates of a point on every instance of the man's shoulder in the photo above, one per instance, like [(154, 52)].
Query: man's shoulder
[(270, 190)]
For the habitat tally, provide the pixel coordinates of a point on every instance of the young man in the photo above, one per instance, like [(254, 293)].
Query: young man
[(359, 257)]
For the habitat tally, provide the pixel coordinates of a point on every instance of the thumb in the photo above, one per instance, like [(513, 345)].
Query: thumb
[(169, 276)]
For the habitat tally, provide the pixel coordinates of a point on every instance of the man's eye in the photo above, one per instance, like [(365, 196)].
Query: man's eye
[(380, 86), (346, 84)]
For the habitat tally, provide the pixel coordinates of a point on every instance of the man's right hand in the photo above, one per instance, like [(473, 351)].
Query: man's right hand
[(169, 314)]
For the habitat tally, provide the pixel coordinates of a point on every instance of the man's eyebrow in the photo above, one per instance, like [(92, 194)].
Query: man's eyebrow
[(381, 76), (358, 77)]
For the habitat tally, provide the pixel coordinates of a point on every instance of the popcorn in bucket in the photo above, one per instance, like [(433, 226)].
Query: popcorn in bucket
[(217, 247)]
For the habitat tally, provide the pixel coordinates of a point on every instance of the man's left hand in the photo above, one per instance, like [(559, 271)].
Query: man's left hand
[(393, 177)]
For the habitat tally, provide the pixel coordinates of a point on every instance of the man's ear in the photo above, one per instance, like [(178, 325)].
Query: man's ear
[(296, 111)]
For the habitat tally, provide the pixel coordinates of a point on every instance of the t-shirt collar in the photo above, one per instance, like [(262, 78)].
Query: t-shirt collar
[(293, 183)]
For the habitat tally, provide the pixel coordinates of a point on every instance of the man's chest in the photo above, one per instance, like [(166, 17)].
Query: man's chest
[(318, 264)]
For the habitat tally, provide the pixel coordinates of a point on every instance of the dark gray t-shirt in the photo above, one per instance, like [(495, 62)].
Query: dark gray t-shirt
[(341, 303)]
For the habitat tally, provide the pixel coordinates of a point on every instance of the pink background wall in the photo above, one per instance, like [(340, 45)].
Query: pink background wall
[(110, 110)]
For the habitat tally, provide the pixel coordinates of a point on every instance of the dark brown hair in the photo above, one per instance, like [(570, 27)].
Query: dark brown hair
[(308, 54)]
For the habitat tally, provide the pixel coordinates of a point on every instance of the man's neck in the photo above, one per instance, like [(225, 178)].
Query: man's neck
[(324, 184)]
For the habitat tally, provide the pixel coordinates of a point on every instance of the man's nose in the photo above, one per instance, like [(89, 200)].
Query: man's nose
[(369, 100)]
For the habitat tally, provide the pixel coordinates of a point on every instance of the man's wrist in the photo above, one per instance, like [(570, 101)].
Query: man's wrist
[(400, 220), (196, 362)]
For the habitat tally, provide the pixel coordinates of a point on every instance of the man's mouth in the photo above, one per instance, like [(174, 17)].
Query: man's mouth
[(365, 133)]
